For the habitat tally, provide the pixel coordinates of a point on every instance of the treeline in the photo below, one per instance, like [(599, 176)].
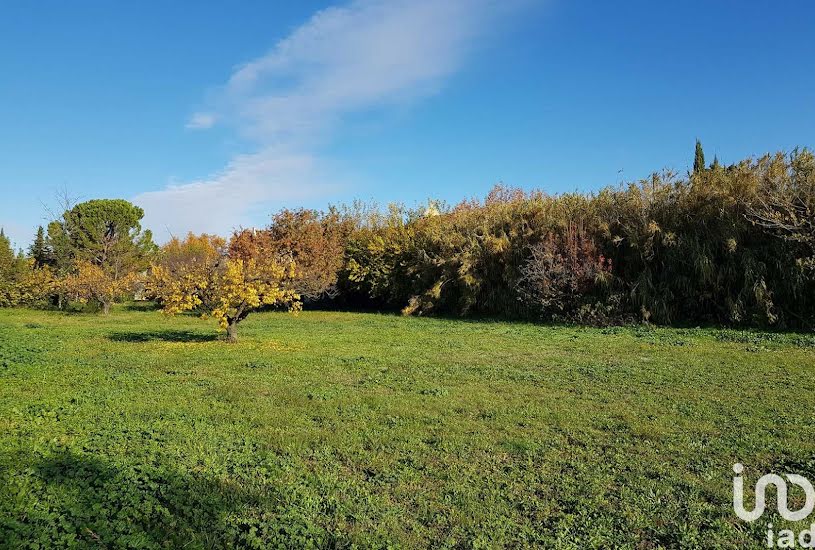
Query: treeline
[(95, 253), (724, 244)]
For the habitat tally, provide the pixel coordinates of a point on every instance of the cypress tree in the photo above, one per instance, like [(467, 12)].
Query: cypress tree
[(699, 159)]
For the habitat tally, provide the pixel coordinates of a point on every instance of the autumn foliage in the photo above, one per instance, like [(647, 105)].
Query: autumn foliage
[(722, 244), (197, 274), (94, 253), (90, 282), (562, 275), (315, 241)]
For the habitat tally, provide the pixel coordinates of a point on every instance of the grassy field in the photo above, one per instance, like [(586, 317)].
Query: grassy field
[(337, 430)]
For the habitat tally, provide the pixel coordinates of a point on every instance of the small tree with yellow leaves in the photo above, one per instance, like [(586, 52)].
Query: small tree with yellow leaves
[(90, 283), (224, 288)]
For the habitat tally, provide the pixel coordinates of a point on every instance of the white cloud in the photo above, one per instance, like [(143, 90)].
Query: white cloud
[(366, 55), (201, 121), (224, 202)]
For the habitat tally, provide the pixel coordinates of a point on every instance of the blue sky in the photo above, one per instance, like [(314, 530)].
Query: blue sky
[(213, 115)]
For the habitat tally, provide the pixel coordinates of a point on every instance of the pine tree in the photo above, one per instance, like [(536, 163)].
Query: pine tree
[(39, 251), (699, 159), (715, 165), (6, 254)]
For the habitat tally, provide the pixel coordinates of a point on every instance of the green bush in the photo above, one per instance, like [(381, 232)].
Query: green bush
[(683, 250)]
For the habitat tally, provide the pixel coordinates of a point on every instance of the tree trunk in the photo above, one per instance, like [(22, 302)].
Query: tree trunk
[(232, 332), (105, 308)]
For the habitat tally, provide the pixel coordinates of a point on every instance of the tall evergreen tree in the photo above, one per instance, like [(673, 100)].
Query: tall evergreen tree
[(699, 159), (7, 257), (10, 263), (39, 250), (6, 269)]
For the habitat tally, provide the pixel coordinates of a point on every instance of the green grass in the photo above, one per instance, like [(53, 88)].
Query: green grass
[(337, 430)]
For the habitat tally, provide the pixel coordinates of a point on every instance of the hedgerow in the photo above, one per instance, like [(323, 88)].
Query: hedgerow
[(731, 245)]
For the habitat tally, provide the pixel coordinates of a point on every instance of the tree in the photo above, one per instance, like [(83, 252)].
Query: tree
[(699, 159), (32, 286), (62, 263), (12, 266), (21, 283), (106, 234), (59, 245), (40, 251), (314, 240), (194, 274), (187, 262), (6, 254), (7, 271), (91, 283)]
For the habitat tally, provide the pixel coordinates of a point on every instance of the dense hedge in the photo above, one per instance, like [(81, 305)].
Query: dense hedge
[(710, 247)]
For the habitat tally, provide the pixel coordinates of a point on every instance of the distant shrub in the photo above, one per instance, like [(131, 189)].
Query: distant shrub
[(785, 204), (562, 275), (22, 281), (92, 284)]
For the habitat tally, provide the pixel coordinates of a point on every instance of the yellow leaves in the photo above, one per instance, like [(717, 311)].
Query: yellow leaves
[(177, 291), (194, 249), (355, 271), (30, 286), (496, 244), (226, 290), (90, 282)]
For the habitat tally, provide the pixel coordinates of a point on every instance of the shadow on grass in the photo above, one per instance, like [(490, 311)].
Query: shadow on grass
[(162, 336), (141, 306), (65, 496)]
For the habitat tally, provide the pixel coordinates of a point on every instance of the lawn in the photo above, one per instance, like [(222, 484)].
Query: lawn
[(335, 430)]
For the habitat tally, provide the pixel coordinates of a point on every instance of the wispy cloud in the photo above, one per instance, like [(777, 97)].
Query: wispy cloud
[(367, 55), (200, 121), (227, 200)]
